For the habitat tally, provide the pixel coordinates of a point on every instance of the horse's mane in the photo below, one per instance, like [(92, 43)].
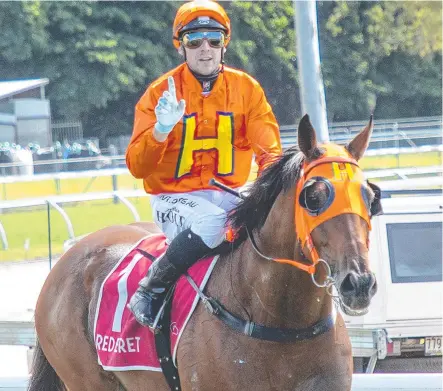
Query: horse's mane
[(252, 211)]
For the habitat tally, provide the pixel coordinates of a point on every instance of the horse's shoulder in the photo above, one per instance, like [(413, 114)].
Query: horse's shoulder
[(146, 226)]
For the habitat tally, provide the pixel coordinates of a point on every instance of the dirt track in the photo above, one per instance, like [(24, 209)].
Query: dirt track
[(20, 284)]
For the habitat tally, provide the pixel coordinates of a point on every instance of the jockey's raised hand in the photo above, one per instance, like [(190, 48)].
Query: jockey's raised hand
[(168, 111)]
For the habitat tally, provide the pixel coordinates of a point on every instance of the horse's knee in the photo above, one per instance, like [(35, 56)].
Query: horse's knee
[(92, 383)]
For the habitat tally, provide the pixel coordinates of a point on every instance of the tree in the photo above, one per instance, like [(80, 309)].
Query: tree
[(264, 45), (95, 54), (261, 31), (362, 44), (100, 56)]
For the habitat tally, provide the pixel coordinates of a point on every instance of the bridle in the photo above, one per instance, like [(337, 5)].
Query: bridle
[(304, 235), (351, 174), (329, 281)]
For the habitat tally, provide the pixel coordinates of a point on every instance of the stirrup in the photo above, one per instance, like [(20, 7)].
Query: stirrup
[(155, 328)]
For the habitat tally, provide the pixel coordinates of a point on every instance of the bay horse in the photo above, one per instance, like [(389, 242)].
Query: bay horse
[(302, 244)]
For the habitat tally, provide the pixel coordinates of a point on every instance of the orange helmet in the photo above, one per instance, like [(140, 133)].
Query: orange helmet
[(194, 9)]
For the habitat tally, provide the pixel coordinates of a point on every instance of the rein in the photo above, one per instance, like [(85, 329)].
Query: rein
[(311, 269), (258, 331), (276, 334), (303, 234), (329, 281)]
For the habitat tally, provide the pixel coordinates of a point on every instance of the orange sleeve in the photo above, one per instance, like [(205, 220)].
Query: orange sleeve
[(144, 151), (262, 129)]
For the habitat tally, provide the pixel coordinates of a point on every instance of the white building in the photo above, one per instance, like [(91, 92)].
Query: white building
[(25, 115)]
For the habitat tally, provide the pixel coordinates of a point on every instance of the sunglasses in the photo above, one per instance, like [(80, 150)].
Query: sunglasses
[(194, 40)]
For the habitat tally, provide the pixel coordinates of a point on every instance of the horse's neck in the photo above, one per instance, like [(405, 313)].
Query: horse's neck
[(275, 294)]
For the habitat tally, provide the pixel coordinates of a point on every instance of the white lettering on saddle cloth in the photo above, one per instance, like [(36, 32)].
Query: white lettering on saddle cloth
[(117, 345)]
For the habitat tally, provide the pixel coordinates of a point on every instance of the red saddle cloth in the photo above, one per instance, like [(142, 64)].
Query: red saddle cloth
[(122, 343)]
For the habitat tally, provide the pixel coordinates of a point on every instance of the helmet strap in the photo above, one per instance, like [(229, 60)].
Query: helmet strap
[(222, 62), (184, 52)]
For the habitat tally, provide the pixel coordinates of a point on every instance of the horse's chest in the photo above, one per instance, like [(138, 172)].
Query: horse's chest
[(212, 357)]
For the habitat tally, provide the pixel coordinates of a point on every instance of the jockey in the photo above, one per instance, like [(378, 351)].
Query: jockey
[(199, 121)]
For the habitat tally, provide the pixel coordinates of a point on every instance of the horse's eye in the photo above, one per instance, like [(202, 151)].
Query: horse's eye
[(316, 196)]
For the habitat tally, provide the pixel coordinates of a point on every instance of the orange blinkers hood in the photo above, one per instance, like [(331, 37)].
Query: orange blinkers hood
[(342, 172)]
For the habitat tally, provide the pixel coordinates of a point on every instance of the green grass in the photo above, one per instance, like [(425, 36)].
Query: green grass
[(22, 225), (32, 225)]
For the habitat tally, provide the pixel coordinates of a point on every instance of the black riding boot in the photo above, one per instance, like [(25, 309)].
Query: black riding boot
[(186, 249)]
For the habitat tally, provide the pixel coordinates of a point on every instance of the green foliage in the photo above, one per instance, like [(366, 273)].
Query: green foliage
[(264, 32), (100, 56), (372, 50)]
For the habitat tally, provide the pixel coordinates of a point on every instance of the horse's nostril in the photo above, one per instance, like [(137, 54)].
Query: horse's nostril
[(348, 285), (373, 285), (356, 284)]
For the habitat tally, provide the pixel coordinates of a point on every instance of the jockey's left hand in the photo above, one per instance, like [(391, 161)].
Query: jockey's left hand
[(168, 111)]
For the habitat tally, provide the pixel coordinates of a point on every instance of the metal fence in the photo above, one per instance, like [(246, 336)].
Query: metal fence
[(66, 131), (418, 180), (395, 133), (392, 133)]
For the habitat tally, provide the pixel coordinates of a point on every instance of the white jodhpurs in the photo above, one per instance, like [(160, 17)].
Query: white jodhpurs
[(204, 212)]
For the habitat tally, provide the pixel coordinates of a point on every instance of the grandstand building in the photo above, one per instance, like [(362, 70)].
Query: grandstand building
[(25, 115)]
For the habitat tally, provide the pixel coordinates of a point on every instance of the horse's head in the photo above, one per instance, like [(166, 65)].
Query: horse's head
[(334, 206)]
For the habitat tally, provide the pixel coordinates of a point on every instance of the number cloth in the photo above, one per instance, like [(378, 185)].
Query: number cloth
[(122, 343)]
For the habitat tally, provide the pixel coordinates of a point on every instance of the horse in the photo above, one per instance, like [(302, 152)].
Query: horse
[(300, 250)]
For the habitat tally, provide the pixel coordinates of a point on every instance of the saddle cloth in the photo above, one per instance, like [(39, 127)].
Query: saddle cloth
[(122, 343)]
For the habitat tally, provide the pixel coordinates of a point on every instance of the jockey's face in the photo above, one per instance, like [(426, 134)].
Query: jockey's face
[(203, 60)]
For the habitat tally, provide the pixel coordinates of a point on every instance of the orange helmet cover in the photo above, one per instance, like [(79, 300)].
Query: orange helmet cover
[(192, 10)]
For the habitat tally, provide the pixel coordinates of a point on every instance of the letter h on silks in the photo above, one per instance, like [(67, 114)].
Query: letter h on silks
[(222, 143)]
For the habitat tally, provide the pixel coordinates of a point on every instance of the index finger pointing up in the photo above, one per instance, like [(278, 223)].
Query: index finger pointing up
[(171, 88)]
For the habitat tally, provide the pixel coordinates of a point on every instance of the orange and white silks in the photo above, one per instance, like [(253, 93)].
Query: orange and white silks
[(216, 137)]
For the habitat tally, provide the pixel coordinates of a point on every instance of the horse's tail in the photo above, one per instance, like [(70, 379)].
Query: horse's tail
[(43, 375)]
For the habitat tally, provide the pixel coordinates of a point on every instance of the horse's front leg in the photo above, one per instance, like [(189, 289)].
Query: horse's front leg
[(142, 380), (332, 382)]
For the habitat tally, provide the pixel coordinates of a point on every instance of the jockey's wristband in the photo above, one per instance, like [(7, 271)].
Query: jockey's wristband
[(163, 128)]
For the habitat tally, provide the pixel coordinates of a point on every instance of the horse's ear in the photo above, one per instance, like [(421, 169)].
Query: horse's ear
[(359, 144), (307, 141)]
